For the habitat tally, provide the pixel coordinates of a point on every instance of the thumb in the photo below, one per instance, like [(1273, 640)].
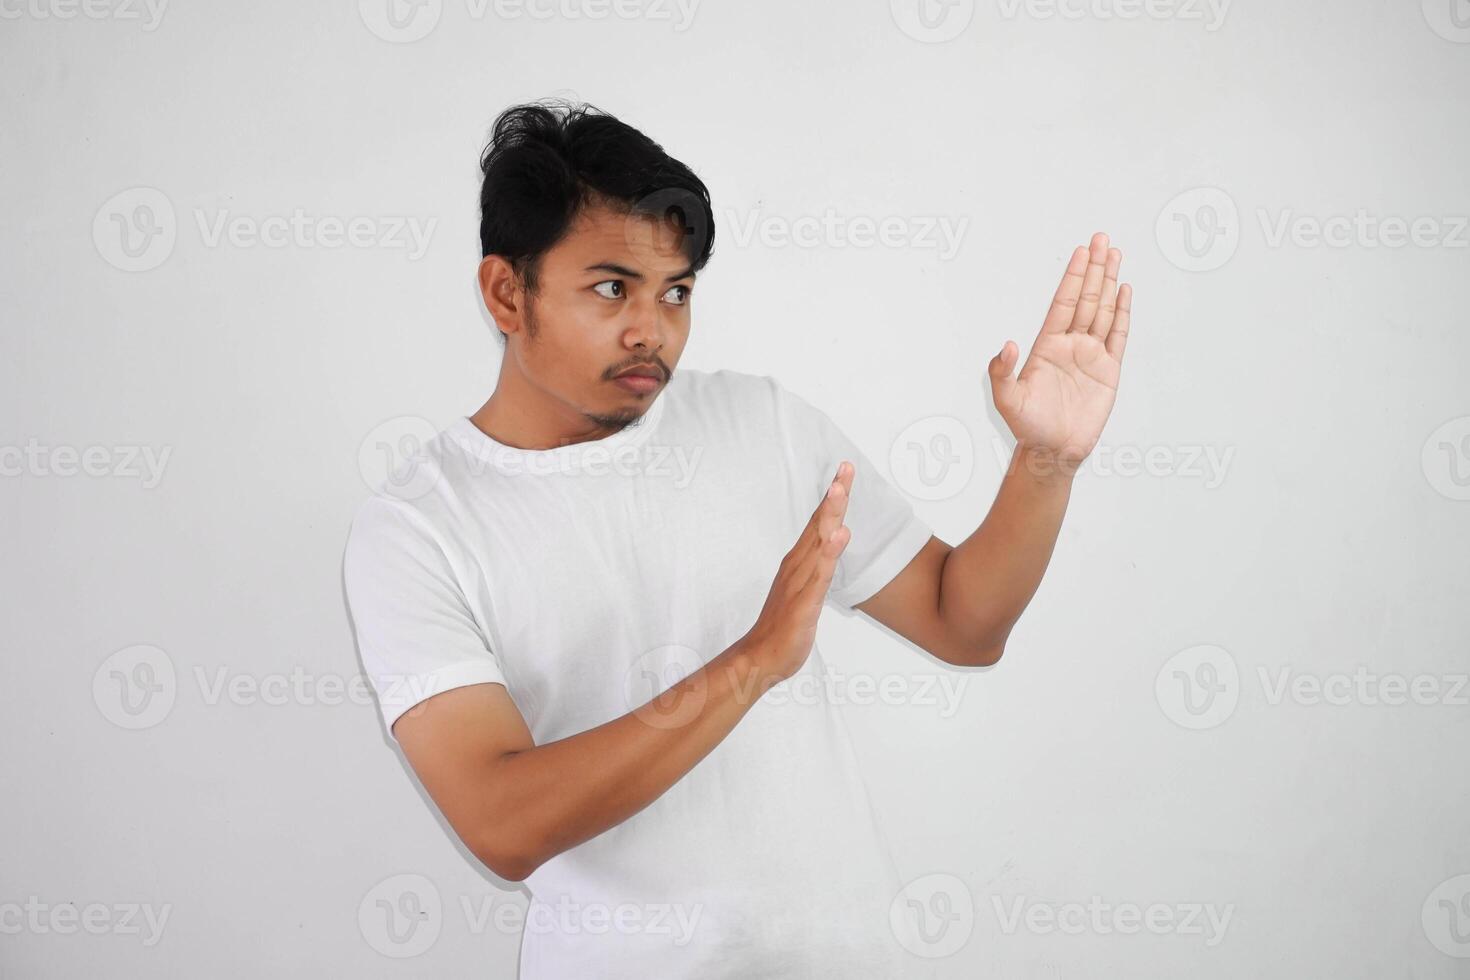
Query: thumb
[(1002, 384)]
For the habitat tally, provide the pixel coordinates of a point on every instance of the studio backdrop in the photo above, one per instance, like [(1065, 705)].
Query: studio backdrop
[(237, 275)]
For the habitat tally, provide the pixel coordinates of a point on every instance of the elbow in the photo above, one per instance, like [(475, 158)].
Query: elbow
[(503, 836), (512, 864), (988, 651), (507, 853), (989, 655), (518, 871), (978, 654)]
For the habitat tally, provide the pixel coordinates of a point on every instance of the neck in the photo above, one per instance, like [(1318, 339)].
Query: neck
[(522, 415)]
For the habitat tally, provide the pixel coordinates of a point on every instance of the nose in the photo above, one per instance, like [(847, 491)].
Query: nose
[(647, 327)]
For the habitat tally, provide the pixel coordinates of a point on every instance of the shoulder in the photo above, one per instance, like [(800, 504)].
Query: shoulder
[(757, 404), (411, 506), (722, 381), (741, 392), (745, 408)]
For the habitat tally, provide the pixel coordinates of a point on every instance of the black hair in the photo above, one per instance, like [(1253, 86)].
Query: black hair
[(548, 160)]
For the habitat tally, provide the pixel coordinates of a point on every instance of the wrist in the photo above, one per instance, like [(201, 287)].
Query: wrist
[(754, 665), (1045, 466)]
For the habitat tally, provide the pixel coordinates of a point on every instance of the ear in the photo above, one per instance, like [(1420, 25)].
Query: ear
[(502, 292)]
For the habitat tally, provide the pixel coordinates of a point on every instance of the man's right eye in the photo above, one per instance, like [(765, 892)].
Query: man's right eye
[(614, 284)]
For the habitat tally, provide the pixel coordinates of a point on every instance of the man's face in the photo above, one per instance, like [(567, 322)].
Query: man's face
[(613, 294)]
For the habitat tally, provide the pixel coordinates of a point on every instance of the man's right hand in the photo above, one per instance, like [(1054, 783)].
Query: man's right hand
[(782, 637)]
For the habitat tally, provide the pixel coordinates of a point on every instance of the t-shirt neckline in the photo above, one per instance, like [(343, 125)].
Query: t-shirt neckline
[(558, 458)]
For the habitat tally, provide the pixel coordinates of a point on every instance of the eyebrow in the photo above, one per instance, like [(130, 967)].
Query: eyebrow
[(624, 271)]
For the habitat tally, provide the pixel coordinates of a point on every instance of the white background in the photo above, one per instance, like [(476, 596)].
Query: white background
[(1331, 540)]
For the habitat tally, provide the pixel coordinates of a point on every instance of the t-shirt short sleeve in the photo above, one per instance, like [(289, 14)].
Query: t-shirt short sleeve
[(415, 632), (886, 532)]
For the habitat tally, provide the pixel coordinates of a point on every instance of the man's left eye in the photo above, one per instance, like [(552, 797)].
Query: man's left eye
[(683, 295)]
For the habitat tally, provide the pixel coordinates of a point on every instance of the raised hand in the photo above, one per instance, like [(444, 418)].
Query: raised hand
[(1065, 391), (783, 634)]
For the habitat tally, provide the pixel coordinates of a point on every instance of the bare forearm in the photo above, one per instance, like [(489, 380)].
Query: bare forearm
[(558, 795), (991, 576)]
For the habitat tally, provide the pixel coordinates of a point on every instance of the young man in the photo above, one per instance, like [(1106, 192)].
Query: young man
[(572, 619)]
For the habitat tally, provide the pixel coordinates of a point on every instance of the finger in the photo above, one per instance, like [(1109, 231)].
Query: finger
[(1087, 304), (1109, 306), (1002, 384), (816, 586), (1064, 303), (809, 536), (828, 516), (1118, 335)]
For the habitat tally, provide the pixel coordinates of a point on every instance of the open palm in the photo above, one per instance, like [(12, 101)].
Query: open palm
[(1065, 391)]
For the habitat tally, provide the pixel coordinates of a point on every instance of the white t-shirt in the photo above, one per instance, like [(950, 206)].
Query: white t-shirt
[(588, 578)]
